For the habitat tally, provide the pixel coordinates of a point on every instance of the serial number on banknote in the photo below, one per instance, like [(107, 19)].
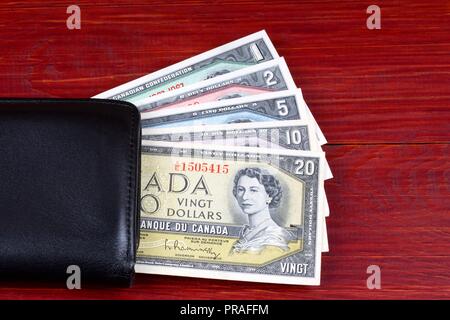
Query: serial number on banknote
[(201, 167), (171, 88)]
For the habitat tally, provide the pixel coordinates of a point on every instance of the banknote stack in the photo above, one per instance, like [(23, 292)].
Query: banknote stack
[(232, 168)]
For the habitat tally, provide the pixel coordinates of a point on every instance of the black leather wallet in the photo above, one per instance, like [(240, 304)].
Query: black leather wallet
[(69, 190)]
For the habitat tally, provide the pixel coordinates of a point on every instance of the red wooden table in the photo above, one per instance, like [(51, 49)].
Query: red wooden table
[(382, 98)]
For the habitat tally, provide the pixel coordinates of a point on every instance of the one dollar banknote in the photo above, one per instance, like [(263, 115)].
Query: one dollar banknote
[(247, 51)]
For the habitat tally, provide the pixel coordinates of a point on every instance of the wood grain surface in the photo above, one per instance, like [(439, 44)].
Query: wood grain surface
[(381, 97)]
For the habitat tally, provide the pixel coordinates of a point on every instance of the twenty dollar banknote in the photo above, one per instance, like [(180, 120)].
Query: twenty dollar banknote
[(231, 213)]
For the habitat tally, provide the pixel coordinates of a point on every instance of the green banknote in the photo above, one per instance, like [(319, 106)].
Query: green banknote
[(266, 77), (233, 213), (247, 51)]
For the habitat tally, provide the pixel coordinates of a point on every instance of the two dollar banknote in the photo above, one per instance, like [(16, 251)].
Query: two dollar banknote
[(232, 180)]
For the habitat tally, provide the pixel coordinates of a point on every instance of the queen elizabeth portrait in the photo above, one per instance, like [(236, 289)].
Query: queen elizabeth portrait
[(256, 192)]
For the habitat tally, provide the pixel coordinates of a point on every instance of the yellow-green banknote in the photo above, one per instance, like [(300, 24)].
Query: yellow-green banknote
[(235, 213)]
